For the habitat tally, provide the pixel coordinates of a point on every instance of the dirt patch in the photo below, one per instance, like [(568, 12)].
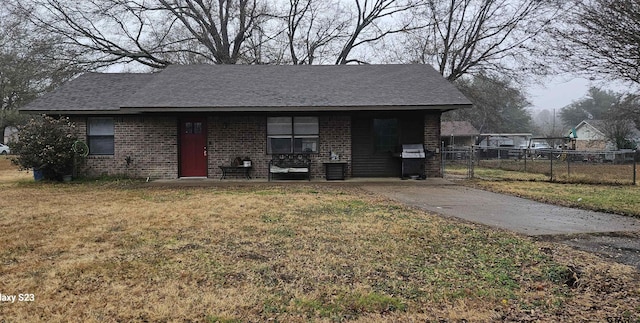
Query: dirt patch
[(623, 248)]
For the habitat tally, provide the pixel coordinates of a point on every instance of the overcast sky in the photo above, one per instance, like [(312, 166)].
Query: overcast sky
[(559, 92)]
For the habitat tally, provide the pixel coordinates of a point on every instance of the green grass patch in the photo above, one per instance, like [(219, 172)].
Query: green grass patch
[(618, 199), (347, 305), (221, 319)]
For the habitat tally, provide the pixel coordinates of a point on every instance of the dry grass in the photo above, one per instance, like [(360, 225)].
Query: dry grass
[(119, 251), (582, 191), (618, 199), (9, 173), (575, 172)]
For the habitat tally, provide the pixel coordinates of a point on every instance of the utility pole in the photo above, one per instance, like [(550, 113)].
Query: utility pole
[(553, 130)]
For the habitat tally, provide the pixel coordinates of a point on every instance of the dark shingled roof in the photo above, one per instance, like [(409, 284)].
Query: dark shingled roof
[(458, 128), (90, 92), (259, 88)]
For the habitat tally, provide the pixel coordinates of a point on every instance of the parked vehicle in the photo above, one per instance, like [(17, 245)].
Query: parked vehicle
[(4, 149)]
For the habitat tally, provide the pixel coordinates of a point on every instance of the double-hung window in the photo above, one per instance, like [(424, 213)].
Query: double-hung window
[(292, 135), (100, 136)]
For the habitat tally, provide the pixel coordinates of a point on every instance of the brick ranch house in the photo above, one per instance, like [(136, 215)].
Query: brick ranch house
[(187, 120)]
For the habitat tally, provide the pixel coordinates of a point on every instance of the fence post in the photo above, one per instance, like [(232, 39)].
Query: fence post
[(551, 165), (470, 163), (443, 157), (635, 165), (568, 159)]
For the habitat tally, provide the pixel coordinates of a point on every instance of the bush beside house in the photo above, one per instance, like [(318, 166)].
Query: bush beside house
[(45, 144)]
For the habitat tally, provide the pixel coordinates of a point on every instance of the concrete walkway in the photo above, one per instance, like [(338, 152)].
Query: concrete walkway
[(503, 211)]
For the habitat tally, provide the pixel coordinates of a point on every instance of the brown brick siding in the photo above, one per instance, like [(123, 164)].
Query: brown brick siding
[(432, 143), (237, 136), (335, 135), (591, 145), (246, 136), (152, 145), (150, 142)]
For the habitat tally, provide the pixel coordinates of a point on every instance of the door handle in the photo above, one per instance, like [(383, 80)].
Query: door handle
[(205, 151)]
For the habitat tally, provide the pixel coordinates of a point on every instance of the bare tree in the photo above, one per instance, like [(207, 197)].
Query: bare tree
[(221, 26), (499, 105), (601, 36), (622, 121), (620, 131), (314, 27), (154, 33), (629, 108), (330, 31), (28, 67), (103, 32), (490, 35), (372, 22), (455, 35)]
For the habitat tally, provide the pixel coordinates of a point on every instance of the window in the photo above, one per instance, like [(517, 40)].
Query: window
[(385, 135), (190, 128), (292, 135), (100, 136)]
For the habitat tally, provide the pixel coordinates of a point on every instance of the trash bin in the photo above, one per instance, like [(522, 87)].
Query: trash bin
[(38, 175), (335, 170)]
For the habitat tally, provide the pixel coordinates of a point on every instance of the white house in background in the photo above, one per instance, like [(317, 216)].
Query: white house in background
[(590, 136), (10, 134)]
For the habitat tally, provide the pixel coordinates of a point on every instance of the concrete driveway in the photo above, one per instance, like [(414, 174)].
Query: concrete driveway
[(503, 211), (612, 236)]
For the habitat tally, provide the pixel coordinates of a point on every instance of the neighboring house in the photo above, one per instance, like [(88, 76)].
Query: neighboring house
[(10, 134), (458, 133), (504, 140), (590, 136), (188, 120)]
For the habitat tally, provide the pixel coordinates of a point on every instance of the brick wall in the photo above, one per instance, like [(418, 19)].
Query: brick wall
[(335, 135), (592, 145), (237, 136), (150, 142), (152, 145), (246, 136), (432, 142)]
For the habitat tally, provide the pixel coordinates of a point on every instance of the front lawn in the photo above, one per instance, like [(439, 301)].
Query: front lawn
[(124, 251)]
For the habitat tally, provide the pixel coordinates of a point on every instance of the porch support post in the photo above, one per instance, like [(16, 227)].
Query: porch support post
[(432, 143)]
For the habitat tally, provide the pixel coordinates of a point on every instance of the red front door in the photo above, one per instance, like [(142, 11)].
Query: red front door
[(193, 147)]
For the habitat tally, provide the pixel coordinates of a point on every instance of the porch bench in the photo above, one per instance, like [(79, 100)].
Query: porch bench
[(239, 170), (290, 166)]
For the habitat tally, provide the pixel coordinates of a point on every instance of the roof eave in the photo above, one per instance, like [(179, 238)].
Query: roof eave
[(295, 108), (77, 112), (139, 110)]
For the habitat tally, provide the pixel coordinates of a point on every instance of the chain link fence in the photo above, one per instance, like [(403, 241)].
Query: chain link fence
[(567, 166)]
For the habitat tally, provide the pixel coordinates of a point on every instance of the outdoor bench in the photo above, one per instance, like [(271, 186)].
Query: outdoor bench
[(239, 170), (290, 166)]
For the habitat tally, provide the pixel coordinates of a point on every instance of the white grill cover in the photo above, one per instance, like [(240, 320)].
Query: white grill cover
[(413, 151)]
